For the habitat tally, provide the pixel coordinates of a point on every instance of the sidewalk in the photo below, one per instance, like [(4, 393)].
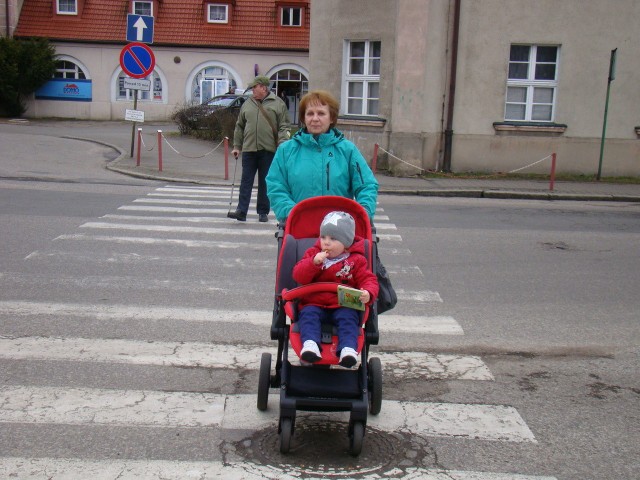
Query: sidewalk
[(186, 159)]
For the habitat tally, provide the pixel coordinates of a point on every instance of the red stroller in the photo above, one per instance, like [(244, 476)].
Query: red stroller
[(321, 386)]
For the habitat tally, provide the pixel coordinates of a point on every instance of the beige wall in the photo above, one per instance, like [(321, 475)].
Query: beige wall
[(103, 65), (416, 39)]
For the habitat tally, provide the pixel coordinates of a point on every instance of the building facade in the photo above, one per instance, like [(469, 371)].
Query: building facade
[(491, 85), (201, 49)]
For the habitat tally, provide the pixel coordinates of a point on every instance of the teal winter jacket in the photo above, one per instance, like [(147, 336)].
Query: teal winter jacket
[(307, 166)]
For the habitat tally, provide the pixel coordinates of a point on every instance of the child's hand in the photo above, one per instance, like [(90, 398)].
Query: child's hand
[(320, 258), (365, 297)]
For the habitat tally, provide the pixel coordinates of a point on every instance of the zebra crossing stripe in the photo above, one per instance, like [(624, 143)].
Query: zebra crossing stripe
[(166, 241), (145, 408), (233, 357), (59, 468), (181, 229), (387, 323)]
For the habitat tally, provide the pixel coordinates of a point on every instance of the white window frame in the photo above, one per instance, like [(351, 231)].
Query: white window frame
[(532, 88), (64, 10), (291, 11), (70, 69), (146, 3), (368, 80), (218, 5)]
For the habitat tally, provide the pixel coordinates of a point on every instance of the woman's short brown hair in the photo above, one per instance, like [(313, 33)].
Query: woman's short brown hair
[(321, 97)]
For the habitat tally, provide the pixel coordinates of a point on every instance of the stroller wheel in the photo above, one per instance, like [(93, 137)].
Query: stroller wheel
[(375, 385), (356, 438), (264, 381), (286, 432)]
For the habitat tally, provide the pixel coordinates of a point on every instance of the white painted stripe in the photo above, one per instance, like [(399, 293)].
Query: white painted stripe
[(404, 271), (487, 422), (187, 195), (71, 468), (202, 203), (168, 241), (234, 357), (183, 229), (389, 237), (425, 296), (74, 406), (386, 323), (114, 258), (142, 218), (385, 226), (195, 190), (134, 208)]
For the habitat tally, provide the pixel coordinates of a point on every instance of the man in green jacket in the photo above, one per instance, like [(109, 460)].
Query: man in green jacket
[(263, 124)]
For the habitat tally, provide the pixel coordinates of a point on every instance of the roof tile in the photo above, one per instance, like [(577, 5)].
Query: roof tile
[(254, 24)]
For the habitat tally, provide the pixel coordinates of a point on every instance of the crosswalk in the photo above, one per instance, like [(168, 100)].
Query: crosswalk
[(102, 299)]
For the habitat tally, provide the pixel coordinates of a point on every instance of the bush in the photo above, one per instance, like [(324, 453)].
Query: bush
[(196, 121), (26, 65)]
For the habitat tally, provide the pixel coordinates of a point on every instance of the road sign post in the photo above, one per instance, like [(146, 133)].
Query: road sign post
[(139, 28)]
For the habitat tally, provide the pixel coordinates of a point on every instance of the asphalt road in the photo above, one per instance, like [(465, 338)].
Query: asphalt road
[(133, 313)]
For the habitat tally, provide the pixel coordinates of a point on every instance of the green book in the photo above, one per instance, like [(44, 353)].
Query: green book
[(350, 297)]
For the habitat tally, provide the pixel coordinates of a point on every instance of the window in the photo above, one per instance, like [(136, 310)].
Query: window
[(143, 8), (291, 17), (68, 69), (363, 77), (218, 13), (67, 7), (532, 83), (154, 95), (210, 82)]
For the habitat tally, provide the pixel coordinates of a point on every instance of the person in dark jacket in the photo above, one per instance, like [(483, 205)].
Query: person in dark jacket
[(257, 134), (337, 256)]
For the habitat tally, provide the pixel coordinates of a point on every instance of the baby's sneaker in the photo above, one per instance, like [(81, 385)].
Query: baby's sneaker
[(348, 357), (310, 352)]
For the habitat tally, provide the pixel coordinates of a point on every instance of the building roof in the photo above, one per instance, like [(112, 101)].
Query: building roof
[(253, 24)]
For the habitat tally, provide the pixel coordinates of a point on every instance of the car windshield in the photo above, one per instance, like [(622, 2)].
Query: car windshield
[(221, 101)]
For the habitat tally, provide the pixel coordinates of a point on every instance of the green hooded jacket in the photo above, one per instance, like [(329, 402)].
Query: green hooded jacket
[(253, 131)]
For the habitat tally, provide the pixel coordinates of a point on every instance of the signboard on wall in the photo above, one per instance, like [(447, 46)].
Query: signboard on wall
[(69, 89)]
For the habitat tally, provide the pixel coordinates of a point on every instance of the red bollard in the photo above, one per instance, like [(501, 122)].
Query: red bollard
[(226, 158), (139, 141), (552, 177), (374, 162), (159, 150)]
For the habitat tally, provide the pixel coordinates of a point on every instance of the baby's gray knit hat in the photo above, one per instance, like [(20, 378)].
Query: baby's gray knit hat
[(339, 225)]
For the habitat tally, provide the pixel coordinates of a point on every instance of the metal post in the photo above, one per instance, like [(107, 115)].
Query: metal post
[(612, 76), (226, 158), (374, 162), (159, 150), (552, 177), (139, 142), (133, 127)]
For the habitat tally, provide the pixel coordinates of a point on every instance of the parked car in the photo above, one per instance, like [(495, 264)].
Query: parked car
[(229, 103)]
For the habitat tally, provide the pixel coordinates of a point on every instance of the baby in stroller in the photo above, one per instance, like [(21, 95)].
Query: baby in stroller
[(337, 256), (315, 384)]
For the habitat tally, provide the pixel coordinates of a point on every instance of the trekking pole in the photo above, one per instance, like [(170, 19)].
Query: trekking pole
[(233, 183)]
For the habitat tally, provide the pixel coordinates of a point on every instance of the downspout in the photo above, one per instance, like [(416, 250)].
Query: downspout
[(6, 15), (448, 133)]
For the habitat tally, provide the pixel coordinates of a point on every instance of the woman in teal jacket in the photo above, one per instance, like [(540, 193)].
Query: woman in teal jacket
[(318, 161)]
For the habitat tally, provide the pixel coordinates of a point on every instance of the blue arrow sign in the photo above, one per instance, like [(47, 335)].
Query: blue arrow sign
[(139, 28)]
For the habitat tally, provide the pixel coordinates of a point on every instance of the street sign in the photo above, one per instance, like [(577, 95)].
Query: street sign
[(139, 28), (137, 60), (137, 84), (134, 115)]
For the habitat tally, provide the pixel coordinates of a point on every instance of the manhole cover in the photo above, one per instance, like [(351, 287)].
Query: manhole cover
[(321, 447)]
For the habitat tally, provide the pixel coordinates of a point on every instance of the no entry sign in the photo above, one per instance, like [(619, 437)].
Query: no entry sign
[(137, 60)]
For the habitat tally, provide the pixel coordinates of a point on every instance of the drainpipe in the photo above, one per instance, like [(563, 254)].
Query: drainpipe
[(448, 133), (6, 14)]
